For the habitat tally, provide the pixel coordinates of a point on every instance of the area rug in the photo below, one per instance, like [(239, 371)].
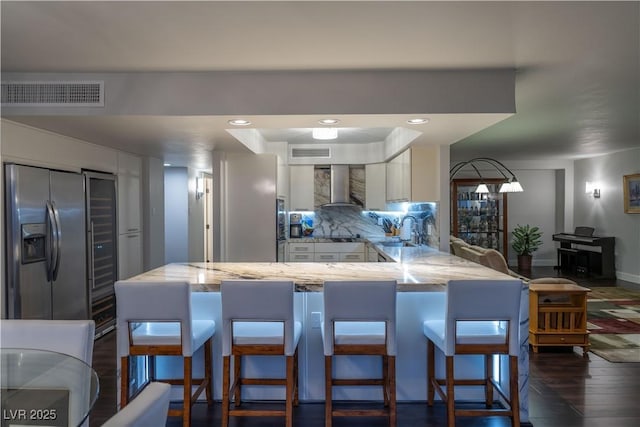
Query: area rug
[(613, 320)]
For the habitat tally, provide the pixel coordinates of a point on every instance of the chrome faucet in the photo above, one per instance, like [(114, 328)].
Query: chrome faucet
[(415, 224)]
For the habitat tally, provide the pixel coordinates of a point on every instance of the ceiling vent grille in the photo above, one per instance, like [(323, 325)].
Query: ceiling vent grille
[(323, 153), (53, 94)]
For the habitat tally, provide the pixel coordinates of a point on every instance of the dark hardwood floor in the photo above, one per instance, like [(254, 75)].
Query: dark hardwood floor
[(566, 390)]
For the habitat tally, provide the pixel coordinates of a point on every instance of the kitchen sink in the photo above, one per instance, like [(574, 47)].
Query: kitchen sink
[(398, 244)]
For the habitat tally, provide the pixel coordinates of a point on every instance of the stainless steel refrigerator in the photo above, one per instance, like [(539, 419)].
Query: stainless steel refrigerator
[(46, 244)]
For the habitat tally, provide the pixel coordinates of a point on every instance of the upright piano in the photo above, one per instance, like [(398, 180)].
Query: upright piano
[(599, 252)]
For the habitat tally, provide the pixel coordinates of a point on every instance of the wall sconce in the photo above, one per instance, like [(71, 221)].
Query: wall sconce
[(199, 187), (510, 184), (593, 189)]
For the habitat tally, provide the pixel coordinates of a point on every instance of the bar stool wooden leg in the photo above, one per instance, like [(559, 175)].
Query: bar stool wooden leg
[(237, 380), (124, 381), (226, 360), (385, 380), (295, 379), (186, 410), (514, 392), (431, 371), (488, 375), (290, 391), (392, 391), (208, 377), (451, 398), (328, 395)]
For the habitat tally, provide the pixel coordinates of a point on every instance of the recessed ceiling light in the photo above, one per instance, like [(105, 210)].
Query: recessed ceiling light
[(324, 133), (419, 121), (328, 121), (167, 164), (239, 122)]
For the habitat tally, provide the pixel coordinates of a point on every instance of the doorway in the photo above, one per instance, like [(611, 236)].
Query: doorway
[(208, 217)]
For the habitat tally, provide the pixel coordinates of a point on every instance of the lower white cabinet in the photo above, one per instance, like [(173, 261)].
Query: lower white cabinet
[(326, 257), (351, 257), (301, 257), (326, 252), (129, 255)]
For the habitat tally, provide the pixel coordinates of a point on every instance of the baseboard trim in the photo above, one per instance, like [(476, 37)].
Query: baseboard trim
[(633, 278)]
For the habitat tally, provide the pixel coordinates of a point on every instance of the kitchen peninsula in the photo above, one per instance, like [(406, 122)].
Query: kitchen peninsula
[(422, 274)]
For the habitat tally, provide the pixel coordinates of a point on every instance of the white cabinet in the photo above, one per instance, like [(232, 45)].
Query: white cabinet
[(398, 178), (129, 215), (339, 252), (414, 175), (301, 247), (300, 252), (372, 253), (375, 186), (129, 255), (326, 257), (351, 257), (327, 252), (129, 193), (301, 188), (282, 179)]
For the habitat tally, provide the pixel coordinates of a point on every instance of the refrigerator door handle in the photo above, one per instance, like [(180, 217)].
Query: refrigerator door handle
[(58, 237), (50, 247), (91, 258)]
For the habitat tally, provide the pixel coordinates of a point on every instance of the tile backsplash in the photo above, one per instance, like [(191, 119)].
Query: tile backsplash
[(347, 221)]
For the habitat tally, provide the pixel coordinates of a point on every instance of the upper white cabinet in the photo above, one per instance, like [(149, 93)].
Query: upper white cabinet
[(301, 187), (399, 178), (129, 193), (375, 186), (282, 179), (414, 175)]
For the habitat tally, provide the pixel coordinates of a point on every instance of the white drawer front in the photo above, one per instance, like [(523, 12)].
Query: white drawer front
[(298, 257), (340, 247), (352, 257), (326, 257), (301, 247)]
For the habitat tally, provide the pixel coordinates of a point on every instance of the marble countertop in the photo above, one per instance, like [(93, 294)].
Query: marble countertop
[(417, 269)]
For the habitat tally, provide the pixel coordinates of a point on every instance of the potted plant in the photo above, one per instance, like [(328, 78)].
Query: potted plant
[(526, 240)]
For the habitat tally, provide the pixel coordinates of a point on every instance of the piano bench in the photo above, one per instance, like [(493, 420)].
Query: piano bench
[(573, 257)]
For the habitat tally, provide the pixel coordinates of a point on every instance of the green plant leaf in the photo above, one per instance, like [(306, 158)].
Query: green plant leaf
[(526, 239)]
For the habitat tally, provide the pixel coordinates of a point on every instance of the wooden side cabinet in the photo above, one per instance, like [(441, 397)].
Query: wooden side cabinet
[(558, 316)]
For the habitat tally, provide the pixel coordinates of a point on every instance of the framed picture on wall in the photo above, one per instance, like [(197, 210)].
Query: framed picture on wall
[(632, 193)]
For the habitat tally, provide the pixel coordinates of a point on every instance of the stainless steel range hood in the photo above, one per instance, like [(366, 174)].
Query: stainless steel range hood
[(340, 191)]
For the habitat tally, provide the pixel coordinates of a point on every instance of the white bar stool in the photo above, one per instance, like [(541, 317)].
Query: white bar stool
[(360, 319), (258, 320), (149, 408), (482, 318), (157, 319)]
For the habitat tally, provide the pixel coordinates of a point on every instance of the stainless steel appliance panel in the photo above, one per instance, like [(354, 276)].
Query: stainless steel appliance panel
[(102, 248), (28, 289), (281, 234), (102, 234), (47, 283), (70, 298)]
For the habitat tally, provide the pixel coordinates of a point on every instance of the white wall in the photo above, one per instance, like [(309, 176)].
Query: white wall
[(606, 214), (535, 206), (153, 210), (245, 203), (176, 215)]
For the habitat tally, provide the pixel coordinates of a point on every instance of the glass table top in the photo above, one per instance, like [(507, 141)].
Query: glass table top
[(45, 388)]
